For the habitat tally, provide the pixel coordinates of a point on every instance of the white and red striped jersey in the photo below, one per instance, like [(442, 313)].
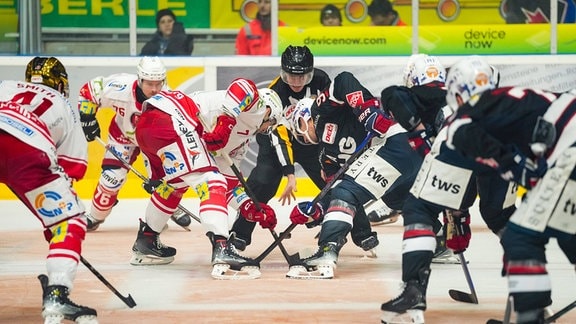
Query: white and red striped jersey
[(47, 121), (116, 91), (247, 123)]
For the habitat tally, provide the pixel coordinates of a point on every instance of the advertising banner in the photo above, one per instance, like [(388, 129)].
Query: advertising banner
[(433, 39)]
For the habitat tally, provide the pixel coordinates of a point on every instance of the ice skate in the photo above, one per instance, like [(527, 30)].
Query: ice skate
[(369, 244), (227, 264), (320, 265), (382, 215), (239, 244), (92, 223), (148, 250), (182, 219), (56, 306), (409, 307), (444, 255)]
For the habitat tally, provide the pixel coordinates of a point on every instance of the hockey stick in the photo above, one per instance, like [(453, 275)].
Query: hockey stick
[(146, 180), (127, 300), (291, 259), (458, 295), (550, 319), (321, 195)]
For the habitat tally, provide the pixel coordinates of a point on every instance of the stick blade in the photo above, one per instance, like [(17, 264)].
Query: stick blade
[(494, 321), (461, 296), (129, 301)]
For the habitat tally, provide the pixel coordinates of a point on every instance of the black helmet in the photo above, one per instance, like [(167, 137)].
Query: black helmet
[(48, 71), (297, 60)]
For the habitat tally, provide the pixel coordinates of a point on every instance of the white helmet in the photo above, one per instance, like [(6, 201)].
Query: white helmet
[(151, 68), (294, 114), (467, 79), (273, 101), (422, 69)]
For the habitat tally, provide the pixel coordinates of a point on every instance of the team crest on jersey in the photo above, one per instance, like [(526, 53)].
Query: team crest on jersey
[(329, 134), (51, 204), (355, 98)]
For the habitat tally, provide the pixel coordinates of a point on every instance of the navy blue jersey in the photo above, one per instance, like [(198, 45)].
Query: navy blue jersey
[(337, 127), (502, 118)]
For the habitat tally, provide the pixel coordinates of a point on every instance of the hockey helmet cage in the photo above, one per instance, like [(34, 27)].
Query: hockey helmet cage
[(273, 101), (48, 71), (298, 117), (468, 79), (151, 68), (423, 69), (241, 95), (495, 76)]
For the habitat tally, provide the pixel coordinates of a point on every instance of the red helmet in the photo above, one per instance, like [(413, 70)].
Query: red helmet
[(241, 95)]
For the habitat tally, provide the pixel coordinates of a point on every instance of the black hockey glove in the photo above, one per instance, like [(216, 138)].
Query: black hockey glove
[(151, 185), (90, 126)]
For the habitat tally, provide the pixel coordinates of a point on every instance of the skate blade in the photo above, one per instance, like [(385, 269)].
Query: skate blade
[(223, 272), (139, 259), (86, 319), (411, 316), (386, 221), (449, 260), (300, 272), (57, 319)]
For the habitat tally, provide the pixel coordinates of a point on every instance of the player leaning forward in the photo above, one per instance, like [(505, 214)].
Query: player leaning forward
[(43, 151), (184, 139)]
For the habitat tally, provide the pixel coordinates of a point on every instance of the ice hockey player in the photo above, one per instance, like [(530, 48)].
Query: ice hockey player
[(219, 122), (125, 93), (528, 136), (278, 151), (43, 152), (462, 176), (339, 120)]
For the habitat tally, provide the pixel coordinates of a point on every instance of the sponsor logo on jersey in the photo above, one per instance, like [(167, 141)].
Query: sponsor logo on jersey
[(355, 98), (50, 204), (445, 186), (379, 178), (117, 86), (170, 164), (329, 134)]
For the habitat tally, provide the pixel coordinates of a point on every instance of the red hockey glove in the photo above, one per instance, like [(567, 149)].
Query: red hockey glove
[(374, 120), (300, 215), (219, 137), (458, 232), (420, 142), (266, 216)]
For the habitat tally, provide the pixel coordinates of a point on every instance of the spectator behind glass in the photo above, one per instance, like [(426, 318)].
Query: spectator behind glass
[(255, 37), (170, 37), (382, 14), (330, 16)]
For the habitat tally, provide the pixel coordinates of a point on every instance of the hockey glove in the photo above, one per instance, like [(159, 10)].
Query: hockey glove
[(90, 126), (374, 120), (458, 232), (420, 142), (266, 216), (301, 215), (523, 170), (219, 137), (151, 185)]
